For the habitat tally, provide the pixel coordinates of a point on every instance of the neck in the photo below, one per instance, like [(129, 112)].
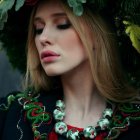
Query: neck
[(80, 94), (78, 86)]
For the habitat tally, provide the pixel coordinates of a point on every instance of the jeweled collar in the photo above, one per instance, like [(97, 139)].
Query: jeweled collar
[(89, 132)]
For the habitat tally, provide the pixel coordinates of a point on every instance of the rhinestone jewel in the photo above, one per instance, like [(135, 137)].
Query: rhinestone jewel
[(107, 112), (59, 114), (90, 132), (103, 123), (60, 104), (60, 127), (73, 134)]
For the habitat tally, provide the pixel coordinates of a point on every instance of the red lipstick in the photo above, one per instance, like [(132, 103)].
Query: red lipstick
[(49, 56)]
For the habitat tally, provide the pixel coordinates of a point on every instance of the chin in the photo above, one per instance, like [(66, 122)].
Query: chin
[(52, 73)]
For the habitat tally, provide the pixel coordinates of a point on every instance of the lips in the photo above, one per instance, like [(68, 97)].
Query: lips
[(49, 56)]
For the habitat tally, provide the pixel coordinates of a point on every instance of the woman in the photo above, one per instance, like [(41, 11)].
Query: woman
[(77, 86)]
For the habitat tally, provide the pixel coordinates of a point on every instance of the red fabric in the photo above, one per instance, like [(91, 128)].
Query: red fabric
[(52, 136), (100, 136), (71, 127)]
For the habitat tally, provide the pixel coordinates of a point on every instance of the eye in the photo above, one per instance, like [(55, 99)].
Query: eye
[(62, 23), (38, 31), (38, 27), (64, 26)]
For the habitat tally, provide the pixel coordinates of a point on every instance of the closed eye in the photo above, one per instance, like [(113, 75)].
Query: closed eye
[(64, 26), (38, 31)]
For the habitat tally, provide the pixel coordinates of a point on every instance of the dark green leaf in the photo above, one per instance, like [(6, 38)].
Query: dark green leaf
[(19, 4)]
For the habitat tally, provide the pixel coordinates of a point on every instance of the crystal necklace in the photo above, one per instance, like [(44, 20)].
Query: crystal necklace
[(88, 132)]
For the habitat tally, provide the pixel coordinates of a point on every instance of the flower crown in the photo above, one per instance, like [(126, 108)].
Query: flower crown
[(126, 14)]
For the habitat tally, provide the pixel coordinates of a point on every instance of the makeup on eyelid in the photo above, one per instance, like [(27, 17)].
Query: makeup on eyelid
[(61, 23)]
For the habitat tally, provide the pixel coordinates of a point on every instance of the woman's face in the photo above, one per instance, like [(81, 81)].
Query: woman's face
[(59, 46)]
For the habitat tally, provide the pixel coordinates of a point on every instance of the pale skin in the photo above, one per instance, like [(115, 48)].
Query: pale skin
[(55, 34)]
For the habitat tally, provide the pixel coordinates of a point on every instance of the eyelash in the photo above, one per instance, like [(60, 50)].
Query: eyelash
[(38, 31), (64, 26), (60, 27)]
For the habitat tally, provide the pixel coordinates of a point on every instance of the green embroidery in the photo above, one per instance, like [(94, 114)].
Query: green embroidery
[(122, 119), (119, 121), (11, 98), (113, 134), (34, 110), (128, 108), (36, 115)]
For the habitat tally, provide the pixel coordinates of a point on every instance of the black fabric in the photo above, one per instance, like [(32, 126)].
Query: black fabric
[(10, 129), (133, 133), (14, 126)]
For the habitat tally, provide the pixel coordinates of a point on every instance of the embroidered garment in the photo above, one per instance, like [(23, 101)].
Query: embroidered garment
[(27, 116)]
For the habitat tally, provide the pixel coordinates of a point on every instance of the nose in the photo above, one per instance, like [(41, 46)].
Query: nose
[(46, 37)]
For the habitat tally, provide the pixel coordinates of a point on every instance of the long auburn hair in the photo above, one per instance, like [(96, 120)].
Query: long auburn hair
[(104, 60)]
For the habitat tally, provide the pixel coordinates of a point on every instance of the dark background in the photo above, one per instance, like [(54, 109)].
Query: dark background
[(10, 78)]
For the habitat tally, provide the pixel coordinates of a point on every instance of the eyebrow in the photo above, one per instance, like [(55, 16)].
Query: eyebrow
[(37, 18), (58, 14)]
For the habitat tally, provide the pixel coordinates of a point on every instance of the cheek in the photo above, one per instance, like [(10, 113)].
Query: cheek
[(71, 41), (37, 44)]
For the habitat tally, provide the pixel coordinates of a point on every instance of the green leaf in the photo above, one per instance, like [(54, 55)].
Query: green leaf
[(1, 26), (81, 1), (130, 5), (3, 19), (133, 31), (6, 5), (78, 10), (72, 3), (101, 3), (19, 4), (91, 1), (1, 13)]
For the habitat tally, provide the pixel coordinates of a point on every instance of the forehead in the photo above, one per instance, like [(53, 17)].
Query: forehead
[(49, 7)]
